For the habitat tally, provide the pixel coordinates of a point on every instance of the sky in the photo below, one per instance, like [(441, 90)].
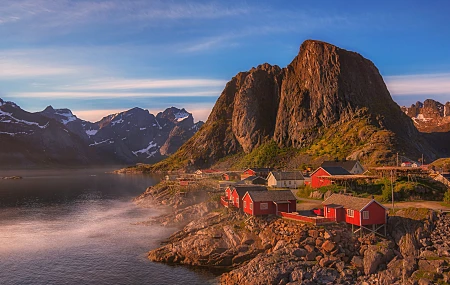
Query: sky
[(102, 57)]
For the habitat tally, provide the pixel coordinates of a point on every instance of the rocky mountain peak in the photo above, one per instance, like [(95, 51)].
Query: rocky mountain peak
[(49, 109), (318, 97), (175, 115), (429, 116)]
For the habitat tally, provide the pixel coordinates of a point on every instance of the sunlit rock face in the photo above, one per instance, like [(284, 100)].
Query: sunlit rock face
[(324, 88), (430, 116)]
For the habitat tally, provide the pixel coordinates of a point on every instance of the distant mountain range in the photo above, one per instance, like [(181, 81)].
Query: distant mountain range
[(57, 137), (327, 103), (430, 116)]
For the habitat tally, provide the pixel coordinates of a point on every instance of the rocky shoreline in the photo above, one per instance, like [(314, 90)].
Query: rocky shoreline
[(270, 250)]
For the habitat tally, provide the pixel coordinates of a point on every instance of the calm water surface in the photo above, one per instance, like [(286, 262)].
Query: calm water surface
[(76, 227)]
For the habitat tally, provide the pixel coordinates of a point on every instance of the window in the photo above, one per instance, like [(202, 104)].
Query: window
[(245, 204), (263, 206), (350, 213), (365, 215), (251, 206), (290, 182), (328, 210)]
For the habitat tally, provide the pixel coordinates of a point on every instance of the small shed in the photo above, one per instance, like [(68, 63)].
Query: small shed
[(361, 212), (259, 203), (285, 179)]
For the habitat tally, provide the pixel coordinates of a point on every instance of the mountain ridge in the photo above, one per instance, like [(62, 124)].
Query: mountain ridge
[(131, 136)]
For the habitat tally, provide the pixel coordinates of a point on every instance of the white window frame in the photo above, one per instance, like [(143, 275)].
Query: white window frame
[(266, 206), (245, 204), (350, 213), (366, 215), (251, 206)]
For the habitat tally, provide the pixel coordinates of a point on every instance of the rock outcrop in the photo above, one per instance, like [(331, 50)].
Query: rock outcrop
[(430, 116), (327, 98)]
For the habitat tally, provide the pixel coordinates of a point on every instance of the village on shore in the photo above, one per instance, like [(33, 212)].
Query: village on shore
[(346, 187)]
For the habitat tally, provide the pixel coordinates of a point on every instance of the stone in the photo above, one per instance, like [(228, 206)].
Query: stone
[(328, 246), (300, 252), (358, 262), (311, 256)]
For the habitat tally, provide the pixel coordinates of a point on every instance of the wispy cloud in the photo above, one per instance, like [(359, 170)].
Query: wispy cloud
[(419, 84), (65, 12), (135, 84), (14, 68)]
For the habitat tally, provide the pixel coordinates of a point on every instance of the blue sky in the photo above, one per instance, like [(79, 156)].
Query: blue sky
[(100, 57)]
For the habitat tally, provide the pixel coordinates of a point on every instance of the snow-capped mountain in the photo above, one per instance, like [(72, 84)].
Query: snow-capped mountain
[(127, 137), (30, 139)]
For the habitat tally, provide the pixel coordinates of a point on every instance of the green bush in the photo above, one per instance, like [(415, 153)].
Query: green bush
[(447, 197)]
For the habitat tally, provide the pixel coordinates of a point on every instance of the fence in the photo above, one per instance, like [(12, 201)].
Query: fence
[(313, 220)]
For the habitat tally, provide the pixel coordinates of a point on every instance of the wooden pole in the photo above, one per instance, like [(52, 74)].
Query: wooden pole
[(392, 191)]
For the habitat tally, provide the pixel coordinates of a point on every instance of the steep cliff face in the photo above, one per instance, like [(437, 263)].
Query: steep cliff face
[(430, 116), (327, 98), (324, 85)]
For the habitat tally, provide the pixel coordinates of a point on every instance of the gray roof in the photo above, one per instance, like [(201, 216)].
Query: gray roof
[(348, 202), (272, 195), (346, 164), (288, 175), (446, 175), (336, 170), (242, 189), (253, 177)]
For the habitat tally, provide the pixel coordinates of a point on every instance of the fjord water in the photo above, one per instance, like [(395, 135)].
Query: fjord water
[(80, 227)]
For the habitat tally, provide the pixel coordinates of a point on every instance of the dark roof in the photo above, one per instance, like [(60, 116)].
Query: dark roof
[(242, 189), (288, 175), (336, 170), (446, 175), (253, 177), (346, 164), (273, 195), (348, 202)]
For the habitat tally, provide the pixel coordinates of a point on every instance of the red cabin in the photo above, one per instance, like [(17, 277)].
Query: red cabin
[(354, 210), (239, 191), (259, 203), (318, 176)]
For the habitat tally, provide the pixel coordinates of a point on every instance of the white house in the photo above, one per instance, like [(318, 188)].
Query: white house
[(285, 179)]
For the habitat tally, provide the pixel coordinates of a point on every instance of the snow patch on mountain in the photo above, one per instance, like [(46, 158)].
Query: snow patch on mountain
[(147, 150), (91, 133), (118, 121), (2, 113), (180, 116), (102, 142), (69, 117)]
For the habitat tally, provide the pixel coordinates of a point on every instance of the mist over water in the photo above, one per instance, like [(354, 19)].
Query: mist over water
[(77, 227)]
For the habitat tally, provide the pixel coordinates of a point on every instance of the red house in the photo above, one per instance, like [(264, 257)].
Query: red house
[(317, 177), (259, 203), (263, 172), (361, 212), (239, 191)]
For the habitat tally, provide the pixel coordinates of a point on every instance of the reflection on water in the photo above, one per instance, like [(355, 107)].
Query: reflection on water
[(76, 227)]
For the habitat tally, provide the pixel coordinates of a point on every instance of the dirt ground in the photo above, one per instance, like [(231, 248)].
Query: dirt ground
[(434, 205)]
